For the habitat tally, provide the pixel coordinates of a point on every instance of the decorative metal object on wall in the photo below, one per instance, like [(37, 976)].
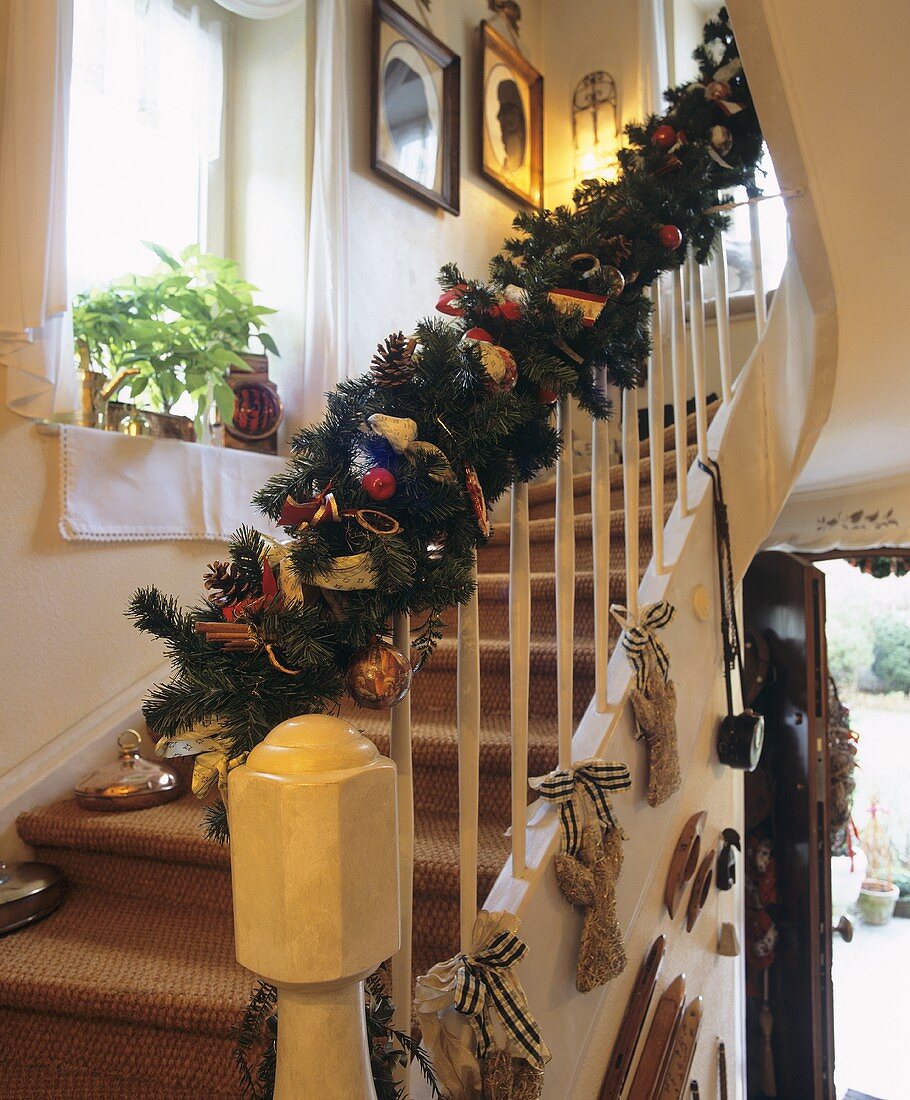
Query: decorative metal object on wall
[(258, 411), (726, 859), (511, 130), (129, 783), (416, 108), (595, 126)]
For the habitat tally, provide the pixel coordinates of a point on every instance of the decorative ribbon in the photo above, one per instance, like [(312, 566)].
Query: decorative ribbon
[(596, 778), (400, 432), (718, 89), (485, 984), (639, 639), (324, 509)]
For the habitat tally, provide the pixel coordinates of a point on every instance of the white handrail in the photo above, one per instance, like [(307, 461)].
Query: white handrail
[(656, 428), (600, 534), (565, 586), (758, 275), (400, 752), (630, 476), (468, 717), (519, 666), (697, 327), (678, 360), (722, 313)]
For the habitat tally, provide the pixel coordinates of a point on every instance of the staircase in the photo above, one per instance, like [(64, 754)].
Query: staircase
[(131, 990)]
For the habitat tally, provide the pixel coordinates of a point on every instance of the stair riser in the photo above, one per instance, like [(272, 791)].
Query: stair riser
[(495, 557), (544, 508), (434, 692), (494, 610), (179, 884), (80, 1058)]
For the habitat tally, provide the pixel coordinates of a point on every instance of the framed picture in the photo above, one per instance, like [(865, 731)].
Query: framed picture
[(416, 93), (512, 122)]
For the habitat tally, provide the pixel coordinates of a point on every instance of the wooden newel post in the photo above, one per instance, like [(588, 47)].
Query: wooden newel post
[(314, 863)]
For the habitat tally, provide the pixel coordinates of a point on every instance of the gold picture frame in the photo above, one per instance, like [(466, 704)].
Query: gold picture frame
[(511, 124)]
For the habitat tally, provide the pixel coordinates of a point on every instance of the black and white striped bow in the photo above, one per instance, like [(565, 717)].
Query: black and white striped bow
[(596, 778), (639, 640), (484, 984)]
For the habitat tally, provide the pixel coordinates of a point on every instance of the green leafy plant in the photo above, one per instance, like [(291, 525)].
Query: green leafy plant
[(891, 654), (179, 330)]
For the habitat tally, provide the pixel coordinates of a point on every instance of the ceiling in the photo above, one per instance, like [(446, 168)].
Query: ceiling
[(843, 65)]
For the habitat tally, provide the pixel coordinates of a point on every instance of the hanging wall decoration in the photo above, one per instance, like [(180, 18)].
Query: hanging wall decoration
[(415, 121), (511, 125), (654, 695), (591, 860), (476, 1021)]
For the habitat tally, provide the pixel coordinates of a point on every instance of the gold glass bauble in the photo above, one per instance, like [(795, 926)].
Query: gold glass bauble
[(378, 676)]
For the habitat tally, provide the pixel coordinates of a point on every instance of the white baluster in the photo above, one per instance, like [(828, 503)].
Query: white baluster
[(722, 314), (565, 586), (678, 357), (758, 275), (519, 666), (656, 427), (600, 523), (400, 752), (630, 476), (697, 322), (468, 716)]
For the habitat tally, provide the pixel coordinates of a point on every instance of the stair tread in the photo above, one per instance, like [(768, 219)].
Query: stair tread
[(128, 959), (542, 528), (172, 832)]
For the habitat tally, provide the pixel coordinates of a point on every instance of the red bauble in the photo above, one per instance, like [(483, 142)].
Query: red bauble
[(669, 236), (478, 334), (509, 311), (663, 137), (379, 483), (546, 396)]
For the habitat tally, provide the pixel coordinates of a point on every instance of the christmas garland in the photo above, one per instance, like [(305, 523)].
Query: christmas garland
[(385, 500)]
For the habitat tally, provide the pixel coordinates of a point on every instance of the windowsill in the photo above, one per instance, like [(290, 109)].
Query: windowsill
[(117, 488)]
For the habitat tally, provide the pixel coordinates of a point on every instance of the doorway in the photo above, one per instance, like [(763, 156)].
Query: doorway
[(868, 634)]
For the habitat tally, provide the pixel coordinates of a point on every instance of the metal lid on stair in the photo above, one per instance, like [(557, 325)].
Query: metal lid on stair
[(28, 892), (129, 783)]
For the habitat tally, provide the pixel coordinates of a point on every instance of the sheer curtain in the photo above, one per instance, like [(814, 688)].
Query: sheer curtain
[(34, 341), (145, 129)]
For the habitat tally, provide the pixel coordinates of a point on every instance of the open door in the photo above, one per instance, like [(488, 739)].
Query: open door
[(787, 931)]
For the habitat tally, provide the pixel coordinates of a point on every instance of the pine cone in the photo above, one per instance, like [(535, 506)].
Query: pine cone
[(393, 364), (226, 583)]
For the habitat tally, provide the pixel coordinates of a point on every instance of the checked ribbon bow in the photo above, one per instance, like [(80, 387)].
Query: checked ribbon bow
[(640, 641), (596, 778), (485, 985)]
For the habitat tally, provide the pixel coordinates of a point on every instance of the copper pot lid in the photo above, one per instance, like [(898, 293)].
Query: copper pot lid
[(130, 782), (28, 892)]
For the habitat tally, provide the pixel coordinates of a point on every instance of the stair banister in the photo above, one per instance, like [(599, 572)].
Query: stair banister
[(314, 868), (400, 752), (697, 330), (758, 273), (656, 428), (519, 666), (630, 476), (678, 359), (600, 537), (468, 717), (722, 317), (565, 585)]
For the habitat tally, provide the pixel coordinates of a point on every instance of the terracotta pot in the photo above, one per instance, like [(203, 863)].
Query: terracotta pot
[(877, 900)]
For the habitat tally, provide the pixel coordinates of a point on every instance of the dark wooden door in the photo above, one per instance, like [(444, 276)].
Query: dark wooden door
[(786, 808)]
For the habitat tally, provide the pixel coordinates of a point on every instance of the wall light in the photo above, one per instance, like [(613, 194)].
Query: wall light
[(595, 126)]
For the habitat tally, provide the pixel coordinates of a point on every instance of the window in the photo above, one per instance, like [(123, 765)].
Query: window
[(145, 139)]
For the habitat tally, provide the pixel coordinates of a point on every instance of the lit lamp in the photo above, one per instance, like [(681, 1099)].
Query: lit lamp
[(595, 126)]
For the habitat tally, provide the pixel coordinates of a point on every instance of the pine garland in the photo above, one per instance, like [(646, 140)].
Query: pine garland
[(673, 170)]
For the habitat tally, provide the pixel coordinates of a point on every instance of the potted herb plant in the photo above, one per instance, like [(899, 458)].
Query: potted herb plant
[(177, 331)]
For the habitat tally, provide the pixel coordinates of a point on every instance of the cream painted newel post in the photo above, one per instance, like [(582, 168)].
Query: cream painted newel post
[(314, 863)]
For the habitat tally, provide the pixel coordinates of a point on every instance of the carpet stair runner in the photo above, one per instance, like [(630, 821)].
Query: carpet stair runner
[(130, 990)]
